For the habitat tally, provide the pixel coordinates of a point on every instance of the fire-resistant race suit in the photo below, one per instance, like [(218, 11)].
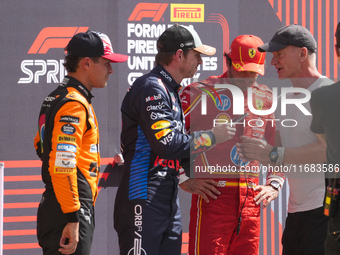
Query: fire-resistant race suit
[(231, 223), (68, 144), (147, 214)]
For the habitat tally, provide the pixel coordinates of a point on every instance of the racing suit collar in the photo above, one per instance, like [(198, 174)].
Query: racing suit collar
[(166, 76), (225, 77), (69, 81)]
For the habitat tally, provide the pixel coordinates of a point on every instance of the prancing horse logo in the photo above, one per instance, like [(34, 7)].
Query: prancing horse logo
[(251, 52)]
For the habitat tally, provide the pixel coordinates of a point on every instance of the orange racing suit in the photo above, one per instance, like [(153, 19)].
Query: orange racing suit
[(68, 144)]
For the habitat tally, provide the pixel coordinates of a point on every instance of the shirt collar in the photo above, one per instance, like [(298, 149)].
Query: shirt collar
[(69, 81), (166, 76)]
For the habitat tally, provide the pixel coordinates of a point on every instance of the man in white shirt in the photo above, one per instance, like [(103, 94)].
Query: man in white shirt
[(294, 56)]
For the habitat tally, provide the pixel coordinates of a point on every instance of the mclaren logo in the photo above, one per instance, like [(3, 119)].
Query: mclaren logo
[(187, 13)]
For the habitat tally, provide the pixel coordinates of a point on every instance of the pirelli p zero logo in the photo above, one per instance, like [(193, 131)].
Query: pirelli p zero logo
[(187, 13), (148, 10)]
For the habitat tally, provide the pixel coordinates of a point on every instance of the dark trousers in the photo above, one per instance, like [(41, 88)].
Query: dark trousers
[(305, 233), (144, 228), (51, 222), (332, 243)]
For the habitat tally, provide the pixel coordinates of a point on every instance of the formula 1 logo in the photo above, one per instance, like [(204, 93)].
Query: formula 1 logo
[(47, 70), (54, 37), (148, 10)]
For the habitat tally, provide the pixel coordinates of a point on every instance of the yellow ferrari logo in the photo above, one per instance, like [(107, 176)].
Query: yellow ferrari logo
[(251, 52), (259, 104)]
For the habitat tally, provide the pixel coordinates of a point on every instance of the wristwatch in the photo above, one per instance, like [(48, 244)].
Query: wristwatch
[(274, 155), (275, 185)]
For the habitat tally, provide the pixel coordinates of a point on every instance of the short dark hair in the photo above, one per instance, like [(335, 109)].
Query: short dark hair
[(164, 58), (71, 62), (228, 59), (337, 35)]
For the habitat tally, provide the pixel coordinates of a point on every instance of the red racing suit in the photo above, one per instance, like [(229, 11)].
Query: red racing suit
[(215, 227)]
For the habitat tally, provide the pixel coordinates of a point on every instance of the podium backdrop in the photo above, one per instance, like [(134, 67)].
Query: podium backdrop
[(33, 35)]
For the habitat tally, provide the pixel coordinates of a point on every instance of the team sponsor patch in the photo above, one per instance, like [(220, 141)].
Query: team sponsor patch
[(162, 133), (224, 104), (251, 52), (156, 115), (71, 95), (162, 174), (49, 99), (94, 148), (202, 141), (257, 135), (178, 125), (166, 76), (259, 104), (62, 170), (162, 84), (153, 98), (170, 163), (68, 129), (66, 147), (235, 158), (159, 106), (65, 163), (69, 119), (160, 124), (173, 98), (222, 118), (167, 139), (65, 155), (66, 138)]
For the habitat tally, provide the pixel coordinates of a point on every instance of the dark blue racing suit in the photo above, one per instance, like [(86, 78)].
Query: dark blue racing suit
[(147, 214)]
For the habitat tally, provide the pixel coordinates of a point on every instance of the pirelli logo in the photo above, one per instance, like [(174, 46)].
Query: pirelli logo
[(61, 170), (162, 133), (187, 13)]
